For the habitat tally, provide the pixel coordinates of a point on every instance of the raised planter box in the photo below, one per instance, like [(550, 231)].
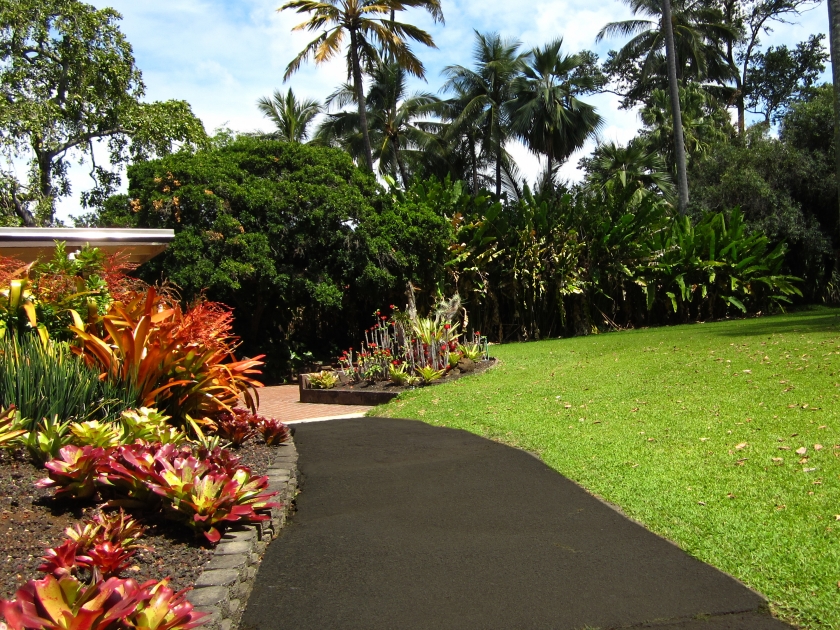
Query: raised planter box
[(341, 396)]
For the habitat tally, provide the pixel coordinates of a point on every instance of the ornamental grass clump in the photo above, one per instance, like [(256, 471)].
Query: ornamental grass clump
[(44, 379)]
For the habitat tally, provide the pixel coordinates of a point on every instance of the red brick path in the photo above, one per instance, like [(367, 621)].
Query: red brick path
[(283, 402)]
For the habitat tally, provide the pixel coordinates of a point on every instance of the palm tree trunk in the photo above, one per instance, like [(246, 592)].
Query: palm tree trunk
[(360, 98), (499, 173), (834, 43), (679, 143), (400, 165)]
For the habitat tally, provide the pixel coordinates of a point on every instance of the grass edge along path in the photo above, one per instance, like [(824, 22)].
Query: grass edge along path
[(695, 431)]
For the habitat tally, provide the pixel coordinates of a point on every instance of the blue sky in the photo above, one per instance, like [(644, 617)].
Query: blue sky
[(222, 55)]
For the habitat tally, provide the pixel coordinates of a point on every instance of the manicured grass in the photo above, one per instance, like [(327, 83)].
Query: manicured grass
[(693, 431)]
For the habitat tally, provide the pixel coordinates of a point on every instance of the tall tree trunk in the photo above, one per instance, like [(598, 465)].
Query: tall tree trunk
[(679, 143), (360, 98), (834, 42), (400, 165), (474, 166)]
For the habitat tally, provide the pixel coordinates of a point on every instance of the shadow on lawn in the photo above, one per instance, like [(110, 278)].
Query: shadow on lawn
[(812, 320)]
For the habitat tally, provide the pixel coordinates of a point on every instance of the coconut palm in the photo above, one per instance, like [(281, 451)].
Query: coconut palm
[(484, 94), (546, 111), (399, 128), (698, 32), (370, 28), (290, 116)]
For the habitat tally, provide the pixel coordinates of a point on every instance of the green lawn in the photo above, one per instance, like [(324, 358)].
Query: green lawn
[(693, 431)]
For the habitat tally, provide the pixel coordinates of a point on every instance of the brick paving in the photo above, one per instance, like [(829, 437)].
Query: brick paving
[(283, 402)]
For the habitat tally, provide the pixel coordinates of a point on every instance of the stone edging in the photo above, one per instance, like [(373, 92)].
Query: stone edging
[(224, 585)]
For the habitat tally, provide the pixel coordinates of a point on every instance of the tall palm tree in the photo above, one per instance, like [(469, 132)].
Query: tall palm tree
[(834, 45), (676, 114), (369, 26), (399, 128), (546, 112), (698, 34), (484, 94), (290, 116)]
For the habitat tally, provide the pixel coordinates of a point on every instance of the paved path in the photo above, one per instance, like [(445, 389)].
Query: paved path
[(283, 402), (402, 526)]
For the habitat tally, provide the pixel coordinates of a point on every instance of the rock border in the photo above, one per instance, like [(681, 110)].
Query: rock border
[(225, 583)]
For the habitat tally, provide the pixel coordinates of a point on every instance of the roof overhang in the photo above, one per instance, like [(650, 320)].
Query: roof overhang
[(29, 244)]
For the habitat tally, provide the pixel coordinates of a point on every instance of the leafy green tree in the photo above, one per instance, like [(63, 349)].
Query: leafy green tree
[(485, 94), (546, 111), (290, 116), (302, 243), (705, 122), (750, 19), (371, 27), (780, 76), (67, 81)]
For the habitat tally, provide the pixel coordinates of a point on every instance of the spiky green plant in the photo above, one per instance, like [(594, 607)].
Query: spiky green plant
[(45, 379)]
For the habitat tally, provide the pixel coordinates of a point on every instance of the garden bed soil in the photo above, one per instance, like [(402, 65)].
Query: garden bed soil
[(378, 392), (31, 521)]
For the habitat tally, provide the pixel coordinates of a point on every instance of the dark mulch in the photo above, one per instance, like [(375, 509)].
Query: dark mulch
[(31, 520), (388, 386)]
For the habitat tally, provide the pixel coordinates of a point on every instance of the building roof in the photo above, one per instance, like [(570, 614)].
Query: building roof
[(28, 244)]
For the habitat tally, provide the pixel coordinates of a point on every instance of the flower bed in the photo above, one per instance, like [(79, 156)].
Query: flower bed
[(401, 351), (116, 504)]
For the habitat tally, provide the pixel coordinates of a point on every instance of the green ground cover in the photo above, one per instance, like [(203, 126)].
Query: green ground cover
[(694, 431)]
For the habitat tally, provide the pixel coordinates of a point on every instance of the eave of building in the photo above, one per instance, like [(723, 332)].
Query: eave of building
[(29, 244)]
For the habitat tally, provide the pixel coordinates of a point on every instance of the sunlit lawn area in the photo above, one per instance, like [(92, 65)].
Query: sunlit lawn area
[(692, 430)]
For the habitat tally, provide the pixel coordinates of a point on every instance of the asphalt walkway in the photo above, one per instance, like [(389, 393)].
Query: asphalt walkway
[(401, 526)]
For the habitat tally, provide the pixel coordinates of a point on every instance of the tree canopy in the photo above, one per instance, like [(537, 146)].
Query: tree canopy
[(67, 81)]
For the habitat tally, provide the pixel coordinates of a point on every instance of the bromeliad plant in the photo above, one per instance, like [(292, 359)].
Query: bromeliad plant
[(10, 428), (96, 548), (66, 603), (204, 490), (181, 362)]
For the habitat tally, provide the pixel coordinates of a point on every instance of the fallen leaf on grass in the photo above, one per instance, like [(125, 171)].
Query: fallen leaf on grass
[(784, 448), (741, 446), (740, 462), (651, 440), (730, 495), (804, 460), (747, 371), (801, 451), (777, 460), (808, 470), (701, 503), (818, 447), (705, 439)]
